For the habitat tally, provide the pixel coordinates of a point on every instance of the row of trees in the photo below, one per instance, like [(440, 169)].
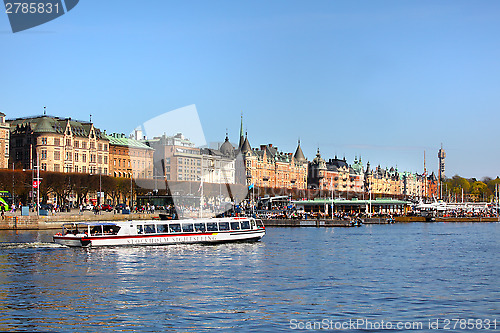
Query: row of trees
[(64, 185), (473, 189), (82, 187)]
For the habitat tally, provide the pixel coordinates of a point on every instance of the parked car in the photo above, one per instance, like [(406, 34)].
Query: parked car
[(121, 206), (106, 207), (88, 207)]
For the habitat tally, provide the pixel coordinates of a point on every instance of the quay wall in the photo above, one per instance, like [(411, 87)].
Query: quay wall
[(55, 222)]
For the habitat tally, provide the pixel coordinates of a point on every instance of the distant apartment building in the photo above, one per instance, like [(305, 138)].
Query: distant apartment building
[(4, 142), (60, 144), (268, 167), (129, 157), (177, 159)]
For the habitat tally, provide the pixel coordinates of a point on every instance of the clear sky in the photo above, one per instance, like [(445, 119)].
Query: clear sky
[(382, 79)]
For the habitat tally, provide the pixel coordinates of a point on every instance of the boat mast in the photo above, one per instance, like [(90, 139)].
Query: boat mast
[(201, 188)]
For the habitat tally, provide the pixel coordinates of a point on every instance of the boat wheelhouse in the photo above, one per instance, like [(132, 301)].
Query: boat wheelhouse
[(160, 232)]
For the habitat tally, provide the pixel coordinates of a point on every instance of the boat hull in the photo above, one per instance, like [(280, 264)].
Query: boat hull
[(162, 239)]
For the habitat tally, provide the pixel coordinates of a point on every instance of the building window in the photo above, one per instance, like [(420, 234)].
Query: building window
[(105, 147), (105, 160), (105, 171), (76, 143), (56, 168), (44, 166), (57, 156), (57, 142), (92, 145), (44, 141), (167, 160), (84, 145), (68, 156), (68, 142), (99, 159), (84, 169), (43, 154), (76, 157)]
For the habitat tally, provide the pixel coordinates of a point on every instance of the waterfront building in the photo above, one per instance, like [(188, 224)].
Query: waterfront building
[(4, 142), (219, 165), (382, 181), (176, 158), (268, 167), (336, 175), (61, 144), (432, 185), (410, 187), (129, 157)]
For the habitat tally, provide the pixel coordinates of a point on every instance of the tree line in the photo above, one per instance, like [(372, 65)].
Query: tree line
[(473, 189)]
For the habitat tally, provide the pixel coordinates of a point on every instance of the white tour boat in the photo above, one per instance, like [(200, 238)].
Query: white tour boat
[(161, 232)]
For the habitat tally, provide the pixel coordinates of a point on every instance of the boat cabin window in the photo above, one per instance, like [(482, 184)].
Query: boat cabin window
[(149, 229), (174, 227), (96, 230), (140, 230), (72, 229), (252, 222), (212, 226), (199, 227), (187, 227), (110, 229), (235, 225), (223, 226), (245, 224), (161, 228)]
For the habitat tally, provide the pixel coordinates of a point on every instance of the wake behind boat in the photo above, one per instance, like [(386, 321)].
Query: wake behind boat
[(160, 232)]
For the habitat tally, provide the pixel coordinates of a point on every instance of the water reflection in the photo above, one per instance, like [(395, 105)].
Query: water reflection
[(397, 272)]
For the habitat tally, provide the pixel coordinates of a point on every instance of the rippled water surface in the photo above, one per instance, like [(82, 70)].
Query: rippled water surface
[(403, 272)]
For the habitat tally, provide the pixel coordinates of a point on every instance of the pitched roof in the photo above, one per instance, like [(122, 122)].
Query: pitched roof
[(51, 124), (299, 155), (245, 147), (119, 139)]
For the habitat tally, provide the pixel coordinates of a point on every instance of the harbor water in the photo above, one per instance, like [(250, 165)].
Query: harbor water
[(419, 274)]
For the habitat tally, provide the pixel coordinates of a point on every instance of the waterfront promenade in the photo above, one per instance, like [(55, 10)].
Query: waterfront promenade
[(54, 221)]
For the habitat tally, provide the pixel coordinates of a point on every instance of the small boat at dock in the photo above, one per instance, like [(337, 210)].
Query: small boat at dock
[(160, 232)]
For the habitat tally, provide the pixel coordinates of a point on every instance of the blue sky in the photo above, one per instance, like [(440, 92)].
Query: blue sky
[(382, 79)]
